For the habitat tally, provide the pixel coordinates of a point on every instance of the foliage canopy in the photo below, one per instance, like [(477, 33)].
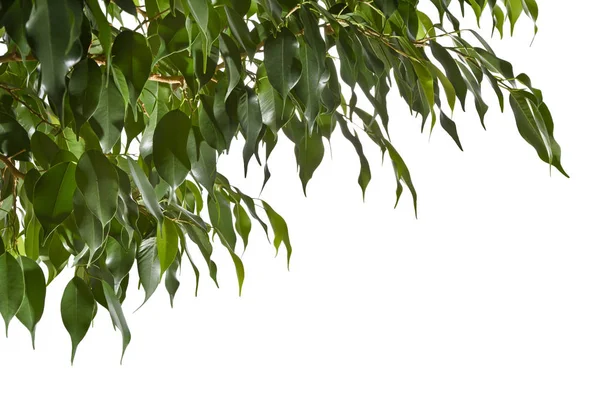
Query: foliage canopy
[(113, 115)]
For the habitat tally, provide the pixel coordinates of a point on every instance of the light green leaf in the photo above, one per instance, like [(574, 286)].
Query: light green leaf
[(243, 225), (167, 243), (280, 230)]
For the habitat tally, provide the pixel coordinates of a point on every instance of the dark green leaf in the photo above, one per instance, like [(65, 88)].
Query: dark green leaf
[(32, 308), (282, 61), (148, 266), (53, 196), (134, 59), (77, 308), (12, 287), (97, 179), (170, 147)]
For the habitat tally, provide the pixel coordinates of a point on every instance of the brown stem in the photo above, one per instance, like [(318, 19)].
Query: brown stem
[(175, 79), (12, 57), (11, 91), (11, 167)]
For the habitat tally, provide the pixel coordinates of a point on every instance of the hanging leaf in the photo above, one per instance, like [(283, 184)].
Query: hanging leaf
[(282, 61), (53, 32), (77, 308), (148, 266), (167, 243), (170, 147), (97, 179), (134, 59), (117, 316), (12, 287), (53, 196), (32, 308)]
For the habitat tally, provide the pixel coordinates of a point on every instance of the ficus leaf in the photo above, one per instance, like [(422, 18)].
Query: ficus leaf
[(77, 308), (170, 147), (53, 196), (12, 287), (97, 179), (32, 308)]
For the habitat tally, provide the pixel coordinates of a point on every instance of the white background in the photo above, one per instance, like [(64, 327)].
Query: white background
[(493, 293)]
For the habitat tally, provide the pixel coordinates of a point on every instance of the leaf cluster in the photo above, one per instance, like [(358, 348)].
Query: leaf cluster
[(113, 115)]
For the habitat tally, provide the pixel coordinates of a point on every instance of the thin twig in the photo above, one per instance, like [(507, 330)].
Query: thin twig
[(11, 91), (11, 167)]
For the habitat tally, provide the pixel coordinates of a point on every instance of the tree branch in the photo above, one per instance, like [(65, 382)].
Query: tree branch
[(175, 79), (11, 167)]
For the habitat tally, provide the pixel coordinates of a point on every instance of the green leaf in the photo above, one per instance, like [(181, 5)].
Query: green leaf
[(452, 71), (204, 170), (309, 154), (108, 119), (167, 243), (85, 88), (312, 81), (53, 196), (119, 259), (231, 55), (148, 266), (32, 238), (250, 118), (402, 173), (240, 32), (14, 141), (12, 287), (170, 144), (148, 195), (77, 309), (282, 61), (104, 29), (32, 308), (117, 316), (280, 231), (14, 15), (128, 6), (536, 129), (97, 179), (450, 127), (220, 216), (44, 149), (90, 228), (274, 112), (514, 8), (364, 176), (53, 32), (134, 59), (243, 225), (171, 281)]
